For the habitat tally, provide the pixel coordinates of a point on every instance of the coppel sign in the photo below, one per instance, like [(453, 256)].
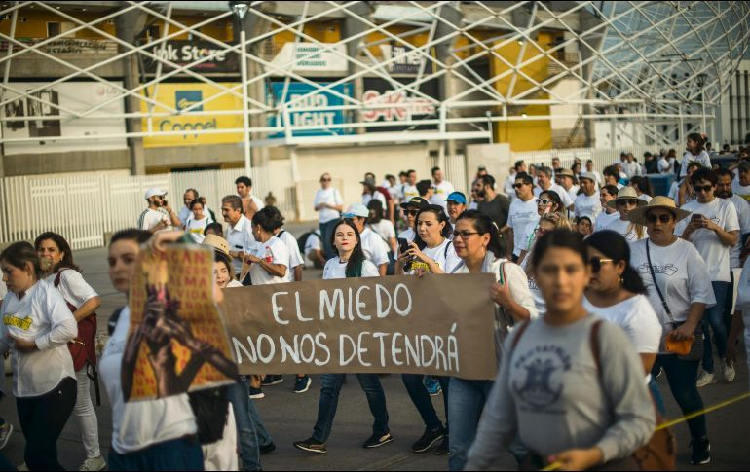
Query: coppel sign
[(311, 117), (184, 99)]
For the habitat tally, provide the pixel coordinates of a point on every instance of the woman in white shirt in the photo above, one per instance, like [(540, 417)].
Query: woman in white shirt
[(478, 245), (149, 434), (350, 262), (627, 200), (329, 205), (269, 258), (431, 250), (196, 223), (679, 290), (55, 255), (696, 152), (36, 327)]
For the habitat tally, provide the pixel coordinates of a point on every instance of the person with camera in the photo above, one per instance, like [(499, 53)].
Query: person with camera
[(678, 287), (158, 216)]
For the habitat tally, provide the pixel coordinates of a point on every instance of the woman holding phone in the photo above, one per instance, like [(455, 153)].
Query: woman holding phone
[(548, 202), (431, 250)]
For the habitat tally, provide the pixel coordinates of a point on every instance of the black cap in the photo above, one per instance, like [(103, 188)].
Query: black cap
[(417, 202)]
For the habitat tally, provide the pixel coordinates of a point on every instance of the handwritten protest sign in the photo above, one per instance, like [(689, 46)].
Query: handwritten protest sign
[(437, 324), (177, 339)]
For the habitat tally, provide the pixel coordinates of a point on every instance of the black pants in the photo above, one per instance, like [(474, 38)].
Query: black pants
[(42, 419)]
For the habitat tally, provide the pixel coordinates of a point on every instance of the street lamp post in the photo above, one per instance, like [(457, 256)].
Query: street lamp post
[(240, 9), (701, 80)]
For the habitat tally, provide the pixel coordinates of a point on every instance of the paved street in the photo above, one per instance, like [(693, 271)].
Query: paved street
[(290, 417)]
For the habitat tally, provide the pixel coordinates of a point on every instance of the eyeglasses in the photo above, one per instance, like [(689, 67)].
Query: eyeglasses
[(325, 180), (543, 201), (703, 188), (664, 218), (596, 263), (463, 234), (411, 212)]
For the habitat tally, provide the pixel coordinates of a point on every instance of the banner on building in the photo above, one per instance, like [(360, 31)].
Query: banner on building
[(307, 108), (202, 98), (437, 324), (406, 104), (177, 339), (35, 109), (309, 57), (404, 60), (183, 52)]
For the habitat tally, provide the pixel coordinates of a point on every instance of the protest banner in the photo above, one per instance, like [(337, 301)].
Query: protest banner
[(177, 339), (437, 324)]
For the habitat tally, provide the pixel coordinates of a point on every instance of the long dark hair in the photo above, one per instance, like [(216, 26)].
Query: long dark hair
[(357, 259), (62, 246), (558, 204), (483, 224), (563, 238), (643, 183), (376, 211), (699, 140), (439, 213), (615, 247), (20, 253)]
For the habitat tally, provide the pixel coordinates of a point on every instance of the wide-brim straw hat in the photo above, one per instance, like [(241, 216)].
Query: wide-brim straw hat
[(626, 193), (217, 242), (638, 215)]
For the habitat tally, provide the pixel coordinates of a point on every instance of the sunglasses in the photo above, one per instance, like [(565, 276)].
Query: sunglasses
[(411, 212), (596, 263), (463, 234), (519, 185), (703, 188), (663, 218), (627, 202), (543, 201), (325, 180)]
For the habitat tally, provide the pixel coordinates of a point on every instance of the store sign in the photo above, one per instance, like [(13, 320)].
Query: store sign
[(403, 60), (309, 57), (182, 52), (187, 97), (34, 115), (405, 105), (307, 108)]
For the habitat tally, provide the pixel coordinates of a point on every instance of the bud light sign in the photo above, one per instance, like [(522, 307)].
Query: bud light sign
[(307, 108)]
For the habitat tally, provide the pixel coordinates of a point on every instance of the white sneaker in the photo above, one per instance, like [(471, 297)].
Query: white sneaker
[(5, 431), (704, 379), (93, 463), (728, 371)]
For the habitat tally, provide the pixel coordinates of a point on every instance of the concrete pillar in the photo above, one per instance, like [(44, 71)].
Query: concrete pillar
[(587, 22), (128, 26), (447, 85), (351, 26)]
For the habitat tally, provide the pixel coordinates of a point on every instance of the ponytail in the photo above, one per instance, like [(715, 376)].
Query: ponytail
[(614, 246)]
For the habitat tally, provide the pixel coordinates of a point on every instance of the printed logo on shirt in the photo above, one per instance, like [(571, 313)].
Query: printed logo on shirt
[(668, 269), (543, 366), (17, 321), (532, 284)]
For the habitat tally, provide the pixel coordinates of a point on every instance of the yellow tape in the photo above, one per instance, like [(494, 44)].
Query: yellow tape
[(668, 424)]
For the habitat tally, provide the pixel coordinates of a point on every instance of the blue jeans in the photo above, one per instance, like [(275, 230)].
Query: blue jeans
[(330, 386), (421, 398), (177, 454), (326, 229), (465, 404), (681, 375), (656, 394), (715, 317), (251, 433)]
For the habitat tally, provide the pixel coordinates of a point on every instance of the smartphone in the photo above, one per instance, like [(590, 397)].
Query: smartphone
[(403, 245), (697, 217), (164, 203)]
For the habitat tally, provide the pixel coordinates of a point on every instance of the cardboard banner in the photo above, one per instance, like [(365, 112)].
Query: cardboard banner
[(436, 325), (177, 339)]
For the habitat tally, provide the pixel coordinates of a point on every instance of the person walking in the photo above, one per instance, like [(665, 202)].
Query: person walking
[(441, 188), (350, 262), (195, 225), (627, 200), (477, 243), (522, 212), (431, 250), (545, 184), (696, 152), (373, 246), (588, 202), (547, 203), (36, 327), (593, 415), (494, 205), (678, 286), (239, 233), (456, 204), (250, 203), (329, 205), (56, 260), (609, 214)]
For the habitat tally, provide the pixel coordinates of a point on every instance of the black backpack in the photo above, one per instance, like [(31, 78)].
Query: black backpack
[(302, 240)]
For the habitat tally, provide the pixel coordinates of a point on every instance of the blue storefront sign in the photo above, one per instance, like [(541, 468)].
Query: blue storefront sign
[(308, 109)]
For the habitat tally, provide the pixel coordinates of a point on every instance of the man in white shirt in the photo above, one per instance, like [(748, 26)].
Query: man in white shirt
[(185, 213), (329, 205), (588, 202), (612, 176), (597, 175), (409, 189), (544, 177), (630, 166), (713, 229), (567, 180), (741, 186), (250, 203), (441, 188), (375, 249), (724, 191), (296, 263), (239, 233), (158, 216), (522, 211)]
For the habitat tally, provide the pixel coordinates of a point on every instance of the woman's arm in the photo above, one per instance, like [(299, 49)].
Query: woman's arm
[(87, 309), (278, 270)]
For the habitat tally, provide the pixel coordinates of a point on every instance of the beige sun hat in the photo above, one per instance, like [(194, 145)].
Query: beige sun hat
[(217, 242), (638, 216), (626, 193)]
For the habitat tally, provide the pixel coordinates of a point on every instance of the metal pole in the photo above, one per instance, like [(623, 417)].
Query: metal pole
[(245, 124)]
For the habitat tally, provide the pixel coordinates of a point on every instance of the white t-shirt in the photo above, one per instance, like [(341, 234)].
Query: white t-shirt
[(240, 238), (444, 255), (589, 206), (375, 249), (43, 317), (295, 258), (376, 195), (509, 190), (196, 228), (681, 273), (279, 254), (312, 243), (536, 293), (73, 288), (631, 168), (573, 192), (385, 229), (664, 166), (442, 190), (636, 317), (529, 234), (604, 219), (407, 234), (743, 217), (560, 191), (708, 244), (409, 191), (520, 214), (138, 425), (741, 191), (150, 218), (626, 229), (702, 159), (332, 197), (336, 269)]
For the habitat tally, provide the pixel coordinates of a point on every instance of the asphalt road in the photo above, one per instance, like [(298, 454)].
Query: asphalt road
[(290, 417)]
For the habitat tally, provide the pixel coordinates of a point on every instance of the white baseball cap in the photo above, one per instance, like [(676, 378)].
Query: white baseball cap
[(154, 191)]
